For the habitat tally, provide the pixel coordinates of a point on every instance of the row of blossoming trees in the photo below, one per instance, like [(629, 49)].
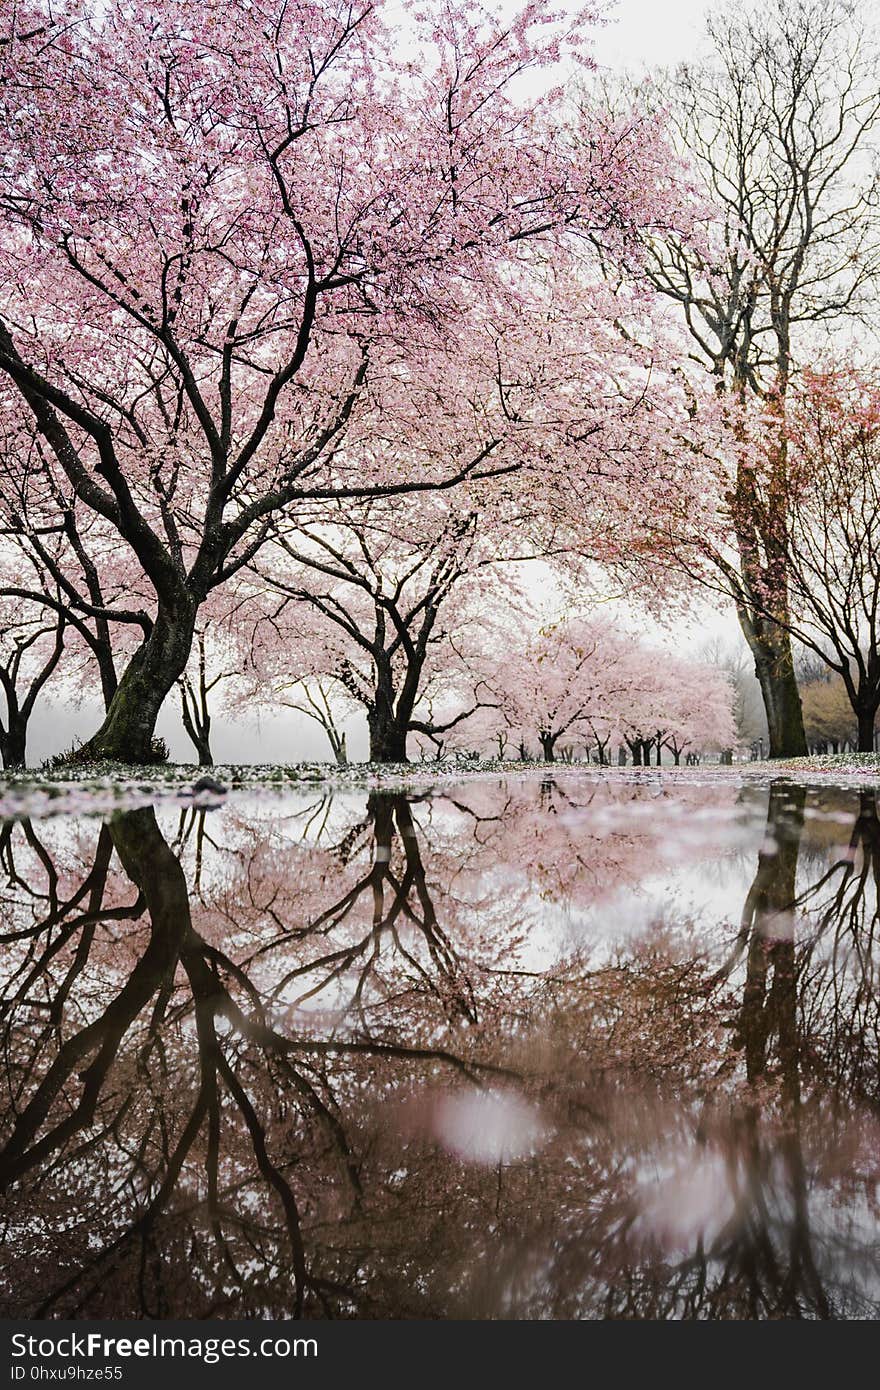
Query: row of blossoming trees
[(505, 686), (311, 338)]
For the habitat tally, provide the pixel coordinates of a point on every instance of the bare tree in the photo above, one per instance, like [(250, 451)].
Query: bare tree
[(777, 126), (832, 544)]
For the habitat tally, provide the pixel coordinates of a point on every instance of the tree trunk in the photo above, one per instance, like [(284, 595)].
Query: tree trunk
[(782, 702), (771, 648), (761, 531), (103, 654), (13, 743), (866, 730), (198, 731), (203, 748), (387, 738), (548, 747), (128, 730)]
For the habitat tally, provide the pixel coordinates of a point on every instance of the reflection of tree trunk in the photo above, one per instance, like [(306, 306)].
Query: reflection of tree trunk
[(152, 865), (150, 862), (132, 835), (770, 1005), (389, 812), (177, 1095), (866, 831), (770, 1009)]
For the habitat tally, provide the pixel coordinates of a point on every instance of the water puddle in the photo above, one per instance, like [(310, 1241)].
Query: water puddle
[(513, 1048)]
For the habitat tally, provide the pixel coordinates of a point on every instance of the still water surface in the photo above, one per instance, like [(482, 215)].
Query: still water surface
[(592, 1047)]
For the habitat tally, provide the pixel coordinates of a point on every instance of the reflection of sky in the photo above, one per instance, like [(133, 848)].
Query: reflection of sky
[(698, 875), (696, 868), (680, 862)]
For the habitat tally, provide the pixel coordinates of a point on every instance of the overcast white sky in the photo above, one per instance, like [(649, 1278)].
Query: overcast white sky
[(638, 34), (647, 33)]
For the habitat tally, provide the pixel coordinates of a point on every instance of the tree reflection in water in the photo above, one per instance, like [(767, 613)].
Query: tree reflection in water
[(406, 1058)]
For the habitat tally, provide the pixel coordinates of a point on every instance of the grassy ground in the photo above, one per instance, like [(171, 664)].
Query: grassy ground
[(106, 787), (829, 762)]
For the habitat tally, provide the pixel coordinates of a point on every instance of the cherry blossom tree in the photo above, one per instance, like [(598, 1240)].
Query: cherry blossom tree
[(562, 681), (675, 703), (698, 710), (256, 239), (391, 599), (315, 699), (216, 664), (56, 559), (284, 661), (585, 681), (391, 587)]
